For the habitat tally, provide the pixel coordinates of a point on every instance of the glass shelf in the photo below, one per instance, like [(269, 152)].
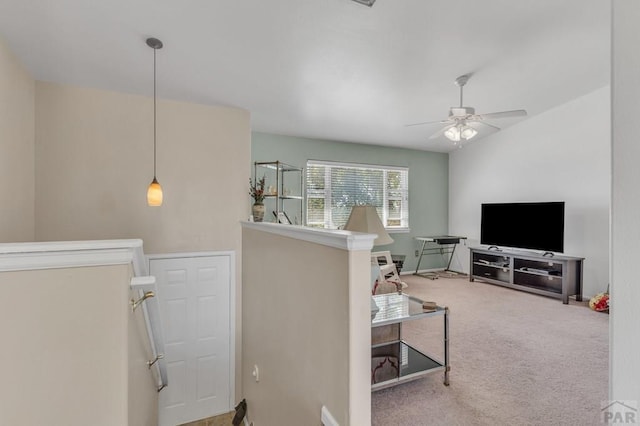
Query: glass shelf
[(393, 360), (283, 182), (398, 363), (396, 308)]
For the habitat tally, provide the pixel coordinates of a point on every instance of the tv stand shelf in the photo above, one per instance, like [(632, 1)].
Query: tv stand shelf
[(558, 276)]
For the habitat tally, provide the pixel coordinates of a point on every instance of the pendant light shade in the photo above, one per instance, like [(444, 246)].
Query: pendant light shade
[(154, 192)]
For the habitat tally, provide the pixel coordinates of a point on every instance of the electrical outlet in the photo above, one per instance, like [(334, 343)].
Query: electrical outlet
[(256, 373), (417, 253)]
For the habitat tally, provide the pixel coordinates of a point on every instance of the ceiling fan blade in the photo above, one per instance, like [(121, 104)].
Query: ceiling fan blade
[(427, 122), (471, 123), (502, 114), (440, 132)]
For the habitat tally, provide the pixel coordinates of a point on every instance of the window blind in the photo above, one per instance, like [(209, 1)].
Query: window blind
[(334, 187)]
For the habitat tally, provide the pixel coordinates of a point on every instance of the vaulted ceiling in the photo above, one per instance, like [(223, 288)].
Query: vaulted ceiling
[(330, 69)]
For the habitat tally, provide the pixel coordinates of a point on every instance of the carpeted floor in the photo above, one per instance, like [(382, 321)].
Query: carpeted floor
[(516, 359)]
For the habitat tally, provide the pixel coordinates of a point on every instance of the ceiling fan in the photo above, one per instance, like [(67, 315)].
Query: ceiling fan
[(463, 121)]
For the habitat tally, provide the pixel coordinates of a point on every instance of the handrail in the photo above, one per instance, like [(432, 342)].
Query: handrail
[(151, 312), (74, 254), (135, 303)]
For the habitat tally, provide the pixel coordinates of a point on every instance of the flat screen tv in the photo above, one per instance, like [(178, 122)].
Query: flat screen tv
[(535, 226)]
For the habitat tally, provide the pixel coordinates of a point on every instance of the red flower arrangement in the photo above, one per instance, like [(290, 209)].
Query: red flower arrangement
[(600, 302)]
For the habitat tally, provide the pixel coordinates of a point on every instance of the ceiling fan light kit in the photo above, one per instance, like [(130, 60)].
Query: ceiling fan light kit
[(453, 134), (460, 131), (457, 125)]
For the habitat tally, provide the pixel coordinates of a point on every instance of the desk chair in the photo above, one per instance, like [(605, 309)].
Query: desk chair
[(388, 272)]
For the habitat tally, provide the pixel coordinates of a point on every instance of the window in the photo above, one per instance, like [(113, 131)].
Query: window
[(333, 188)]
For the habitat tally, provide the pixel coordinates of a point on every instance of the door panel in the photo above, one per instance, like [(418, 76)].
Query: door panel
[(194, 295)]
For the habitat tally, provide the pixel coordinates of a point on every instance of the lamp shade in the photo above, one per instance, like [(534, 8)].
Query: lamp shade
[(366, 219), (468, 132), (453, 134), (154, 194)]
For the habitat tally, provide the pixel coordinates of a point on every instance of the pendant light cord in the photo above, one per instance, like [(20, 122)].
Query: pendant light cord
[(154, 113)]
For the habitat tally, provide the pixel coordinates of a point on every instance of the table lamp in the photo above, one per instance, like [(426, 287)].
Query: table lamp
[(366, 219)]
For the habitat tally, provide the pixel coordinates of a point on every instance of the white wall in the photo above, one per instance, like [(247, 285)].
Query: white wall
[(625, 210), (17, 178), (560, 155)]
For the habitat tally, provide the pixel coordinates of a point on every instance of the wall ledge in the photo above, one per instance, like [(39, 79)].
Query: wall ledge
[(346, 240), (71, 254)]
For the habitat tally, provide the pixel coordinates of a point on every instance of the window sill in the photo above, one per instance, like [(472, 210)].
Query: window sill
[(398, 230)]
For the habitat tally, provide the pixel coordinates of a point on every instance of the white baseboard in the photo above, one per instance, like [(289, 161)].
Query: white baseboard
[(433, 271), (422, 271)]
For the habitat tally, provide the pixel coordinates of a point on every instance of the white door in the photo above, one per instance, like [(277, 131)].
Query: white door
[(194, 295)]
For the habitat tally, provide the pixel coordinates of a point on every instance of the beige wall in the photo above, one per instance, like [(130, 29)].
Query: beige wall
[(299, 321), (64, 350), (94, 161), (17, 94)]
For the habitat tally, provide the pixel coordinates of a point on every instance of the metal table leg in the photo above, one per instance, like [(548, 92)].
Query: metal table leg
[(451, 257), (447, 367), (430, 275), (420, 258)]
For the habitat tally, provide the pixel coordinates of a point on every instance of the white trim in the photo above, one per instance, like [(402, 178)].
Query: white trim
[(327, 193), (232, 330), (346, 240), (190, 255), (356, 165), (398, 230), (423, 271), (144, 283), (71, 254), (232, 305)]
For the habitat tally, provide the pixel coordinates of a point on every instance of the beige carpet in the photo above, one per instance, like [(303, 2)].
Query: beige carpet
[(516, 359)]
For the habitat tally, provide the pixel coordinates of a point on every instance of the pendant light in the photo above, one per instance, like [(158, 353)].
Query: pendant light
[(154, 193)]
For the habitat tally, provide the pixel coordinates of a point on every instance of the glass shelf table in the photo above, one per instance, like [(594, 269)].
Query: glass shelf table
[(393, 360)]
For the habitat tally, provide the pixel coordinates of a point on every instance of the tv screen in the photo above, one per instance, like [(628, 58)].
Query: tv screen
[(536, 226)]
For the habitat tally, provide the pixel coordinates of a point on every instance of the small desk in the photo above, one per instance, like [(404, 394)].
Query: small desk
[(446, 245)]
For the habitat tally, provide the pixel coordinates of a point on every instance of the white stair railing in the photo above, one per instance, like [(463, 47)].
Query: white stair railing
[(146, 287)]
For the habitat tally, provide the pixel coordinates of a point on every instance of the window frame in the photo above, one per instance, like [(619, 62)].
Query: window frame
[(325, 193)]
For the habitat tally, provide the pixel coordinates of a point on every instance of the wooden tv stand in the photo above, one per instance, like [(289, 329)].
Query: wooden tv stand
[(558, 276)]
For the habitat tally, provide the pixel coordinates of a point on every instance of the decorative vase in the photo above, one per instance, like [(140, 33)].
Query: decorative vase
[(257, 210)]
